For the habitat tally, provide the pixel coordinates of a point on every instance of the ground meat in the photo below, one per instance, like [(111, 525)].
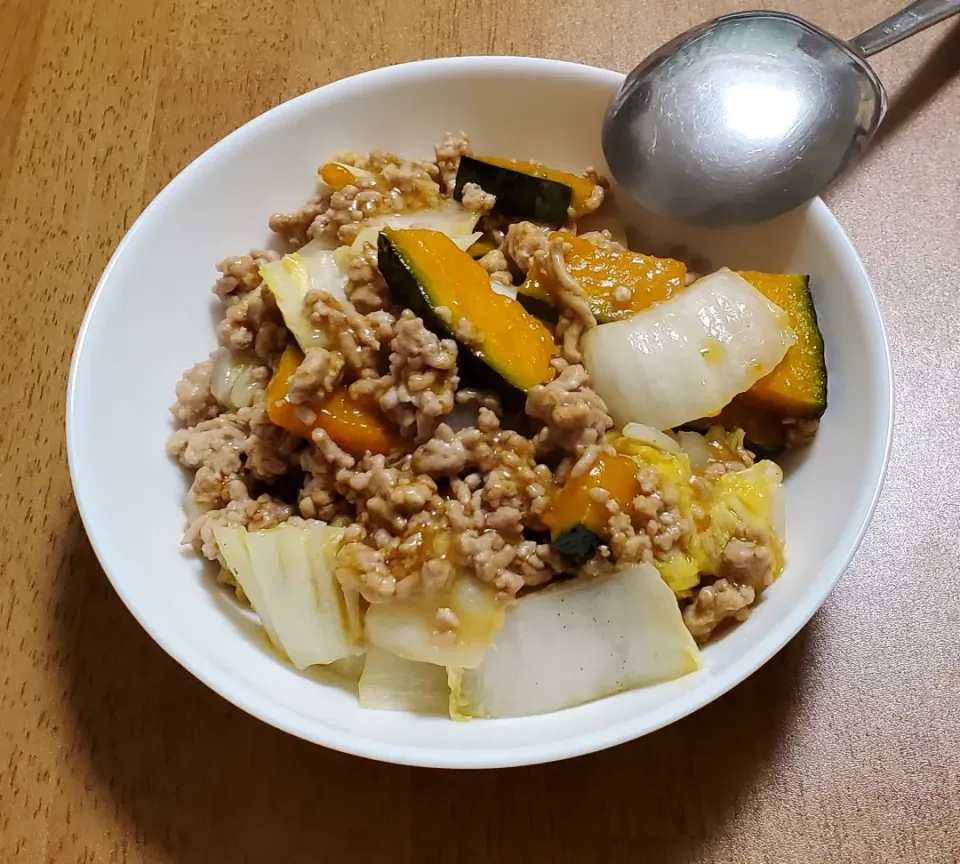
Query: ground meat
[(253, 322), (360, 567), (747, 559), (448, 154), (419, 388), (318, 497), (399, 519), (355, 336), (414, 178), (508, 566), (270, 451), (538, 563), (228, 448), (294, 226), (444, 454), (366, 288), (596, 198), (569, 333), (627, 544), (421, 559), (241, 273), (412, 185), (386, 496), (195, 403), (241, 511), (475, 199), (575, 314), (495, 263), (211, 489), (570, 295), (746, 563), (383, 325), (524, 240), (574, 416), (393, 185), (318, 373), (490, 556), (348, 208), (220, 450), (650, 527), (491, 507), (447, 620), (330, 451), (466, 333), (402, 514), (512, 477), (374, 161), (508, 474), (602, 239), (218, 444), (714, 604)]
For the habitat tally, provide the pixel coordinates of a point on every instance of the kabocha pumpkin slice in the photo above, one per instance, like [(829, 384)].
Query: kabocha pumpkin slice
[(618, 283), (339, 174), (499, 339), (526, 190), (538, 301), (763, 431), (797, 387), (576, 519), (482, 246), (356, 426)]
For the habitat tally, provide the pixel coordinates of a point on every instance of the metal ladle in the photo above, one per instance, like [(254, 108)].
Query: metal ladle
[(747, 116)]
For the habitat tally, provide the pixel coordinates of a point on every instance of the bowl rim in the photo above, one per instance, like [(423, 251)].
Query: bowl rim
[(244, 696)]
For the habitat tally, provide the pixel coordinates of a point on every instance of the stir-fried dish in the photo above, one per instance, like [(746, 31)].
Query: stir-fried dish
[(484, 459)]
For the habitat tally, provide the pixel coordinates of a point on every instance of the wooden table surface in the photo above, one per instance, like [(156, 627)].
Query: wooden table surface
[(844, 748)]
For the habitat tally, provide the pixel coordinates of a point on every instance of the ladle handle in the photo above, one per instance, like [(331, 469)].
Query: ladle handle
[(916, 17)]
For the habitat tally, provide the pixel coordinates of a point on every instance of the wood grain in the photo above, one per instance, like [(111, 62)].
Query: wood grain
[(844, 748)]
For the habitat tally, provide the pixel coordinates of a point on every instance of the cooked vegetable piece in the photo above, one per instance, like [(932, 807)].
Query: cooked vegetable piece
[(578, 544), (526, 190), (318, 266), (578, 523), (576, 641), (391, 683), (449, 218), (678, 567), (452, 293), (348, 670), (339, 174), (538, 301), (235, 378), (482, 245), (687, 357), (409, 628), (639, 435), (287, 574), (798, 386), (355, 425), (763, 430), (618, 283), (752, 498), (575, 519), (292, 277)]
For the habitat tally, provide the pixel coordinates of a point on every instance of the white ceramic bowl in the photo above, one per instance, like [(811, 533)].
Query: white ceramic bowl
[(150, 318)]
